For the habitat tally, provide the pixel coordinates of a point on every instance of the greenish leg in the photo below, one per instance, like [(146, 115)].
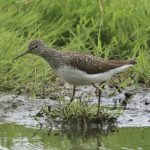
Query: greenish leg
[(99, 94), (73, 94), (117, 87)]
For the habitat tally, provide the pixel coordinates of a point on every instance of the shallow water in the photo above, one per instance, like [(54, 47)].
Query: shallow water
[(19, 137), (16, 120)]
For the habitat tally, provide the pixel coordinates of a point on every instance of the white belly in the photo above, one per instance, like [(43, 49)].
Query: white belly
[(72, 76), (77, 77)]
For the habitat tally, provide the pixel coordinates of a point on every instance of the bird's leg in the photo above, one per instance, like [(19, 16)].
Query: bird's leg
[(73, 94), (99, 94), (117, 87)]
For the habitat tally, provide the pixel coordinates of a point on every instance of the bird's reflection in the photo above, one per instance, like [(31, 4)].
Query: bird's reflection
[(84, 135)]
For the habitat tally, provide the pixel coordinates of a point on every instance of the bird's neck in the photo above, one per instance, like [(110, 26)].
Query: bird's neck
[(52, 56)]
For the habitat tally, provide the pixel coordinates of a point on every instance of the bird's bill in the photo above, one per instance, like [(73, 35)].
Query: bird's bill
[(21, 55)]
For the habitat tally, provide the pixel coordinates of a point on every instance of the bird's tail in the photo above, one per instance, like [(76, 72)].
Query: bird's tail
[(119, 63)]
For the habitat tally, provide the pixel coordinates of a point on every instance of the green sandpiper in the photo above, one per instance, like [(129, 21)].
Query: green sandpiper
[(76, 68)]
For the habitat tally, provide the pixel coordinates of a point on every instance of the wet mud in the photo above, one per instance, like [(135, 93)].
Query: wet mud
[(22, 109)]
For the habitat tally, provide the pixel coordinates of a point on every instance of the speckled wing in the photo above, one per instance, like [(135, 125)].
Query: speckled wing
[(94, 65)]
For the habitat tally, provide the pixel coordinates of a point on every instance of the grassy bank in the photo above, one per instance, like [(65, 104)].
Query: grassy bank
[(109, 29)]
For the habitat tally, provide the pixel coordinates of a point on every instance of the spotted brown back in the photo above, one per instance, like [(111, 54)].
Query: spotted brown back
[(94, 65)]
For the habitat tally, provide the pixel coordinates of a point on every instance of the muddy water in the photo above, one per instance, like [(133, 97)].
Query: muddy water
[(18, 137), (20, 131)]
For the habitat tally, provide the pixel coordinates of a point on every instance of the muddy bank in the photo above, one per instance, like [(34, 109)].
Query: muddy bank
[(21, 109), (137, 112)]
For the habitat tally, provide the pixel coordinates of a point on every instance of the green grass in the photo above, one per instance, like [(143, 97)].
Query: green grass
[(77, 113), (109, 29)]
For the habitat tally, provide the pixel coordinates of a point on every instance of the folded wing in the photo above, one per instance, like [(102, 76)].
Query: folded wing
[(94, 65)]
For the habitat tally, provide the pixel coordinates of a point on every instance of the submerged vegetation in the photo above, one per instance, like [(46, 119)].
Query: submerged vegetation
[(109, 29)]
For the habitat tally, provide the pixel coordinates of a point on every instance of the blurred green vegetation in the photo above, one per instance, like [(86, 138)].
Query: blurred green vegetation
[(107, 28)]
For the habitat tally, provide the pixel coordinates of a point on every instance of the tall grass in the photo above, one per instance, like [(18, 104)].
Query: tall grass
[(106, 28)]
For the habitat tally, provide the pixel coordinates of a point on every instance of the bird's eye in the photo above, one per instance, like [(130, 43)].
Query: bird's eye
[(36, 46)]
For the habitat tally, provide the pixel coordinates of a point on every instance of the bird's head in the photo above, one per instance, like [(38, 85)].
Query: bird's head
[(35, 47)]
